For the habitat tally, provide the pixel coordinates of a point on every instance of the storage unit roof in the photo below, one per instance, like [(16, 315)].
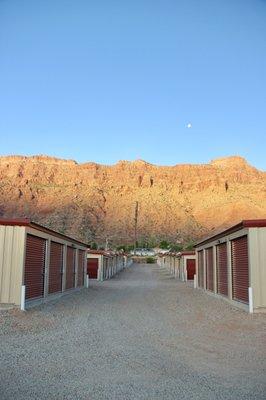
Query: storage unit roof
[(186, 253), (247, 223), (107, 253), (178, 254), (97, 252), (28, 223)]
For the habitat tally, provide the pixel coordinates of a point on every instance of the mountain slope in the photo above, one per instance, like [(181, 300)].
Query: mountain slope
[(95, 202)]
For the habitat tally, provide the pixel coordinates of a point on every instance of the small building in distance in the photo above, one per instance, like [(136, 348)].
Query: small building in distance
[(143, 252), (232, 265)]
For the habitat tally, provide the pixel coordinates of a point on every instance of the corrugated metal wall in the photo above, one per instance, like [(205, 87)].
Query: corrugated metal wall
[(240, 263), (25, 259), (12, 248), (257, 265)]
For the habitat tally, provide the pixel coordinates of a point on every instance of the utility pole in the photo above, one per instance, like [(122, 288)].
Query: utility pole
[(136, 225)]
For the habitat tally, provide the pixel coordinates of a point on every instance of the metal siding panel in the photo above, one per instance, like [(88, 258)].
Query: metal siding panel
[(222, 268), (7, 256), (240, 270), (34, 267), (17, 265), (200, 269), (56, 267)]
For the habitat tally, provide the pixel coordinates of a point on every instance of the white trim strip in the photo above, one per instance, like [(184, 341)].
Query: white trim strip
[(22, 299), (250, 299)]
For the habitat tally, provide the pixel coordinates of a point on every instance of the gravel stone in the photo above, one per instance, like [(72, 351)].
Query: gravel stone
[(141, 335)]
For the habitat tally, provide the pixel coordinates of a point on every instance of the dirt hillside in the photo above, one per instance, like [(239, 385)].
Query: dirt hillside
[(95, 202)]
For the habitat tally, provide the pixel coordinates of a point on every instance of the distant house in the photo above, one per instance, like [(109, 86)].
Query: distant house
[(143, 252), (158, 250)]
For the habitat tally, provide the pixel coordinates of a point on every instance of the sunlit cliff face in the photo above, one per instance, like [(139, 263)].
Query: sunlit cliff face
[(95, 202)]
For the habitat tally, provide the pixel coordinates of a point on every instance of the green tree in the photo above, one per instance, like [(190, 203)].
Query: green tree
[(176, 247), (190, 245), (164, 245)]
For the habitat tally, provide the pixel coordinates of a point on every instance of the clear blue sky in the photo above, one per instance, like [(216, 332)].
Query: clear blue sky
[(105, 80)]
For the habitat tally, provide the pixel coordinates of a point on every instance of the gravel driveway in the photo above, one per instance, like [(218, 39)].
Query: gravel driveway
[(141, 335)]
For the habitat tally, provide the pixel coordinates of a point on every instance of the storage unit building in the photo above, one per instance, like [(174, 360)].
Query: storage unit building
[(232, 264), (168, 260), (103, 264), (186, 265), (182, 264), (98, 264), (44, 262)]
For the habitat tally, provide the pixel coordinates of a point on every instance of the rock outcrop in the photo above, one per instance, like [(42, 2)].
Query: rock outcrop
[(95, 202)]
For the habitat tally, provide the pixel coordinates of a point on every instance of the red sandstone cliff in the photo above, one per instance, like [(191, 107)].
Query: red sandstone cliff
[(92, 201)]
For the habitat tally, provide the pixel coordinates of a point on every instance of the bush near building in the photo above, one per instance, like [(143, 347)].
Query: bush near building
[(150, 260)]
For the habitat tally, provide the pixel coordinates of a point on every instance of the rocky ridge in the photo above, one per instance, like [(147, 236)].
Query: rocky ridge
[(94, 202)]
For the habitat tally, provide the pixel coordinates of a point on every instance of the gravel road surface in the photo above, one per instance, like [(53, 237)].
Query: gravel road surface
[(141, 335)]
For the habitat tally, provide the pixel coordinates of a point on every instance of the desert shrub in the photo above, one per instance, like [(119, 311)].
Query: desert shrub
[(150, 260)]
